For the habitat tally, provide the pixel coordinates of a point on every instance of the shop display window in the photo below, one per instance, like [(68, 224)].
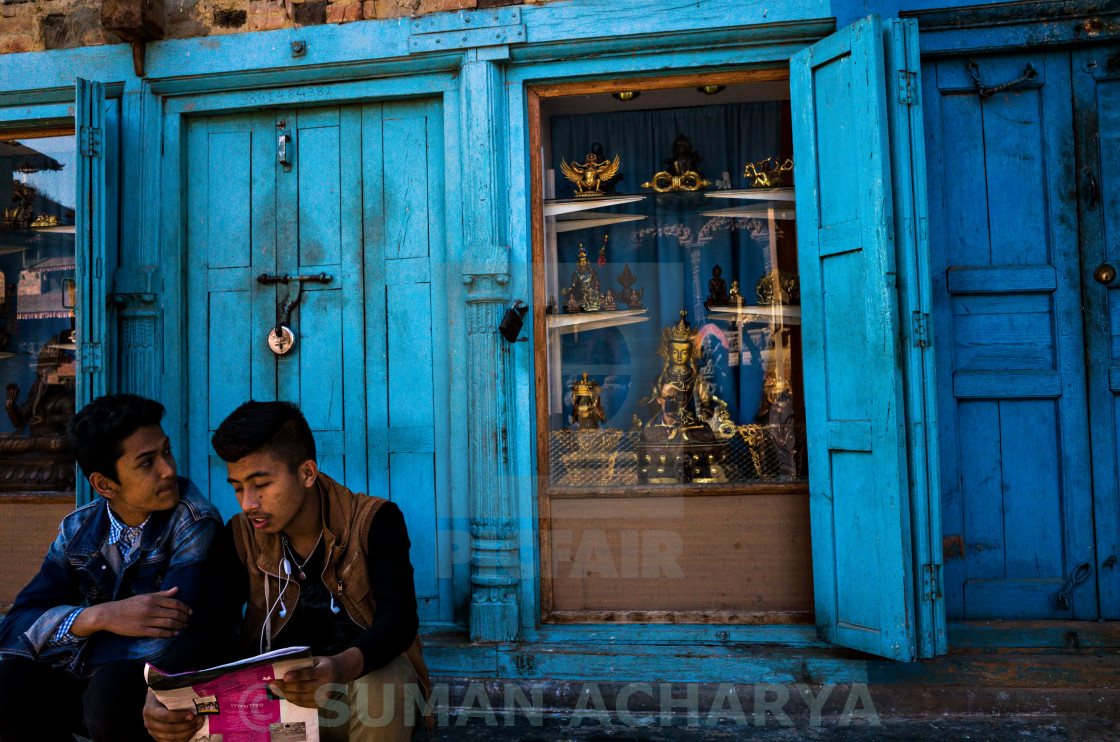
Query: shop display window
[(671, 291), (37, 304), (670, 411)]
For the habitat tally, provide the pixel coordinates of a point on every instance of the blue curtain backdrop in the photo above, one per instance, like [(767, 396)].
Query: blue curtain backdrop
[(673, 250)]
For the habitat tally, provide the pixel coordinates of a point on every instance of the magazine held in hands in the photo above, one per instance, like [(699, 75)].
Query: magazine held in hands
[(235, 702)]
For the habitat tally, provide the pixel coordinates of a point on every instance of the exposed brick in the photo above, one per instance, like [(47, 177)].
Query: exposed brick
[(20, 24), (397, 8), (20, 43), (257, 8), (439, 6), (334, 12), (269, 21), (369, 10), (497, 3)]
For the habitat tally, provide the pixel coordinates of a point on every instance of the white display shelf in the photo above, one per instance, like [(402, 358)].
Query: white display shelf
[(755, 313), (568, 323), (755, 194), (557, 206), (597, 220), (754, 212)]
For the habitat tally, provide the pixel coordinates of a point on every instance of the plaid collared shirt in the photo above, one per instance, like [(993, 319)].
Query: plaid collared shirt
[(129, 538)]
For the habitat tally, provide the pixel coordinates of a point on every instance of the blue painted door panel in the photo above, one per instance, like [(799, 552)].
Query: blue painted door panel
[(855, 392), (361, 200), (91, 226), (1017, 492), (1096, 88)]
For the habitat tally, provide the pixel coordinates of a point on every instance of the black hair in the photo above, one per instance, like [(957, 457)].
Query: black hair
[(276, 428), (96, 434)]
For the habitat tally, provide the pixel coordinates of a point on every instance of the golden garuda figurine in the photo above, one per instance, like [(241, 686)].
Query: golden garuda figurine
[(587, 406), (767, 173), (590, 174)]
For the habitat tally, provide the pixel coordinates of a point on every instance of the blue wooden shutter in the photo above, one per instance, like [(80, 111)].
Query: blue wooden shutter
[(855, 368), (90, 271)]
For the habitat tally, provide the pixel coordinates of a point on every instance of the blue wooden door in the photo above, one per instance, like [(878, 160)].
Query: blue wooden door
[(848, 125), (356, 194), (1096, 84), (1017, 469), (95, 129)]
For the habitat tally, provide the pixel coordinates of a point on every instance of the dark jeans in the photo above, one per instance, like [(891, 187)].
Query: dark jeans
[(39, 703)]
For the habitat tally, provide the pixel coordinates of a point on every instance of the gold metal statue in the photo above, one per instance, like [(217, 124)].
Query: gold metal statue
[(682, 172), (767, 173), (711, 408), (777, 287), (583, 291), (587, 407), (590, 174), (671, 401)]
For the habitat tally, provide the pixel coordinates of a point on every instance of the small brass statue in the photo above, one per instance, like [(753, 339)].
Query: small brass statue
[(767, 173), (583, 291), (22, 213), (628, 296), (717, 290), (590, 174), (777, 287), (609, 301), (712, 409), (734, 298), (682, 172), (587, 407)]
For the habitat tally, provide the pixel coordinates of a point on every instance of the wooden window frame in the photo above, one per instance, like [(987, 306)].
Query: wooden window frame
[(547, 491)]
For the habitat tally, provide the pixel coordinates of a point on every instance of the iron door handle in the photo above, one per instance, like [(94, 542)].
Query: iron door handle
[(1104, 274)]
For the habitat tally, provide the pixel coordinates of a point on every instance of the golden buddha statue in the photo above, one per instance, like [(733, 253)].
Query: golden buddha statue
[(672, 400)]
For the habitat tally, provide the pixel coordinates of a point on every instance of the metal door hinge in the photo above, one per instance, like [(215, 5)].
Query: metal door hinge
[(931, 582), (921, 330), (89, 141), (906, 86), (89, 356)]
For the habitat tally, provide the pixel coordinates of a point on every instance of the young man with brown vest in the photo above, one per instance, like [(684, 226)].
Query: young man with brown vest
[(312, 563)]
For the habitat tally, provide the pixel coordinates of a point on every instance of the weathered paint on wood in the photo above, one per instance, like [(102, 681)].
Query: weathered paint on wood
[(1096, 92), (1018, 497), (858, 479)]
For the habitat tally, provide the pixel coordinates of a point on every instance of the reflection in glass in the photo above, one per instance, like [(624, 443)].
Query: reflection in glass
[(37, 303)]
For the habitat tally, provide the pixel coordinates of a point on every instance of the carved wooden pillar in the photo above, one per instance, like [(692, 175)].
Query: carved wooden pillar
[(139, 322), (494, 554)]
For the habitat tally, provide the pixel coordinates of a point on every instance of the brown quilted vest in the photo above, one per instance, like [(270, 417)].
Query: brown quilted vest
[(346, 519)]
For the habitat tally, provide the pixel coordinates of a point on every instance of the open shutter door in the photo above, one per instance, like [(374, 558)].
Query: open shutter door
[(89, 259), (855, 395)]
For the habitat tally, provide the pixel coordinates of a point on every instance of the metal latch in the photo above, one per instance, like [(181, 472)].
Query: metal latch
[(281, 339)]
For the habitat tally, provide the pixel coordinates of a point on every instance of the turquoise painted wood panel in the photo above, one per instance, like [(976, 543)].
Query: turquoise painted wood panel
[(91, 273), (406, 320), (859, 494), (919, 370), (1017, 495), (1096, 90), (230, 235)]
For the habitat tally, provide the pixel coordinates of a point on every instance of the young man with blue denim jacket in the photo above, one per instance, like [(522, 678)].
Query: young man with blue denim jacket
[(117, 588)]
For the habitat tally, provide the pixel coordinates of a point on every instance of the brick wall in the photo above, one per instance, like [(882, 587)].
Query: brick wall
[(31, 25)]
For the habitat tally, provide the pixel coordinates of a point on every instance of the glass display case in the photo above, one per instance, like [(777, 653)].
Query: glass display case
[(672, 302), (670, 411), (37, 320)]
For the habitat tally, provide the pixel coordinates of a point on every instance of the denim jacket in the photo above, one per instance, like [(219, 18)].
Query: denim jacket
[(77, 573)]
